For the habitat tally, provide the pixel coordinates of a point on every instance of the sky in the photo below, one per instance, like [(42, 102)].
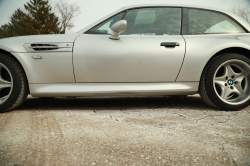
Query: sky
[(93, 10)]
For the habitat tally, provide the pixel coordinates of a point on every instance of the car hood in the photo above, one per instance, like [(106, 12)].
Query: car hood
[(15, 44)]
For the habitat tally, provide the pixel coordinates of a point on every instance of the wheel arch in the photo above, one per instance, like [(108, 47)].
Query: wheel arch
[(239, 50), (8, 53)]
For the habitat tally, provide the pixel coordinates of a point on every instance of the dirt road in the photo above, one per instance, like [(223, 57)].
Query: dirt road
[(123, 131)]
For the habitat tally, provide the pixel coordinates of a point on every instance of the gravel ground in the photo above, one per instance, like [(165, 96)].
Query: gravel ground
[(124, 131)]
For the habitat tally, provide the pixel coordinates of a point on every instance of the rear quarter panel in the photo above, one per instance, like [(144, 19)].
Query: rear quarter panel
[(201, 48)]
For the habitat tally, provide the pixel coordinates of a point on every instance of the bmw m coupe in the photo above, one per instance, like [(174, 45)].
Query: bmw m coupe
[(137, 50)]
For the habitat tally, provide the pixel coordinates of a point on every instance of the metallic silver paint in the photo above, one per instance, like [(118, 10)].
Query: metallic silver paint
[(98, 59), (60, 47), (55, 67), (118, 28), (15, 44), (131, 59), (200, 48), (113, 89)]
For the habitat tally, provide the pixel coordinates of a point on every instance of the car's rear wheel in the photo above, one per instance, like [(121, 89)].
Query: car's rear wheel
[(13, 84), (225, 82)]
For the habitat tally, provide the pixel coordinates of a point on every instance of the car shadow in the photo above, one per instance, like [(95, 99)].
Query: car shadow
[(114, 103)]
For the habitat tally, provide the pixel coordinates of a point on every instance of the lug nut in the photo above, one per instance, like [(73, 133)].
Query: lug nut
[(232, 87), (226, 78), (232, 76), (225, 84)]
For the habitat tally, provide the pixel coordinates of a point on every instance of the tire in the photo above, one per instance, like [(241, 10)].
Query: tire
[(225, 82), (12, 75)]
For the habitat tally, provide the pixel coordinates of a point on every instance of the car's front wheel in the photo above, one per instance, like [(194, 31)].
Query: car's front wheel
[(13, 84), (225, 82)]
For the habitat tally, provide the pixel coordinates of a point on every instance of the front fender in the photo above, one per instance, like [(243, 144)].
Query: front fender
[(14, 48)]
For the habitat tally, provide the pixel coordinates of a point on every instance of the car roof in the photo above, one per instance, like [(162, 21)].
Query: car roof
[(245, 24), (171, 5)]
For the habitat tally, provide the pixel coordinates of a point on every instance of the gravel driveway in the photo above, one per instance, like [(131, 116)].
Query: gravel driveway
[(124, 131)]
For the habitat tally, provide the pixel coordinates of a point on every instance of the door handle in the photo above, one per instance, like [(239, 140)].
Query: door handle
[(170, 44)]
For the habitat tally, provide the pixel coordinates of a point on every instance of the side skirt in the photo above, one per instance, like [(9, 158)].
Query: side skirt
[(113, 89)]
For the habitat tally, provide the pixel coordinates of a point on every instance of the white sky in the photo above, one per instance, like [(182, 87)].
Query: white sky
[(92, 10)]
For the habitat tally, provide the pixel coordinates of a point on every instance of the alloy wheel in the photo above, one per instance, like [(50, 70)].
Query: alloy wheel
[(231, 81), (6, 83)]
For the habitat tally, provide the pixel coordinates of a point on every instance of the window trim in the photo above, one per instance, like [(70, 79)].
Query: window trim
[(124, 15), (92, 33), (186, 20), (126, 12)]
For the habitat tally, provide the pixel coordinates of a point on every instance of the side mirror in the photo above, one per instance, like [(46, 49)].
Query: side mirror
[(117, 28)]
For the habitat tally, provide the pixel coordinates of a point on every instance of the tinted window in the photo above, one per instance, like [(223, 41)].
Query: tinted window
[(206, 22), (153, 21), (105, 27)]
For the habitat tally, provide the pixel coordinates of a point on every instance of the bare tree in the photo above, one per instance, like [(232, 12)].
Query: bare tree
[(66, 13), (242, 11)]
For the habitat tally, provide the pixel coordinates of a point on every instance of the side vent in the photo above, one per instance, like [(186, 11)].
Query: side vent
[(48, 47), (38, 47)]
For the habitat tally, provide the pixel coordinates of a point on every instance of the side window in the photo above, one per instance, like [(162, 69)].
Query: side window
[(210, 22), (105, 27), (153, 21)]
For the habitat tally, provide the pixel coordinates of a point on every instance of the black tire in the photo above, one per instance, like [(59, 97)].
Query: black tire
[(206, 88), (20, 86)]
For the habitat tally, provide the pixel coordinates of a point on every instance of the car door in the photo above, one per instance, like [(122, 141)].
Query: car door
[(138, 56)]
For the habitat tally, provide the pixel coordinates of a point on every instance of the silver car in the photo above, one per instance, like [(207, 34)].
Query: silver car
[(137, 50)]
